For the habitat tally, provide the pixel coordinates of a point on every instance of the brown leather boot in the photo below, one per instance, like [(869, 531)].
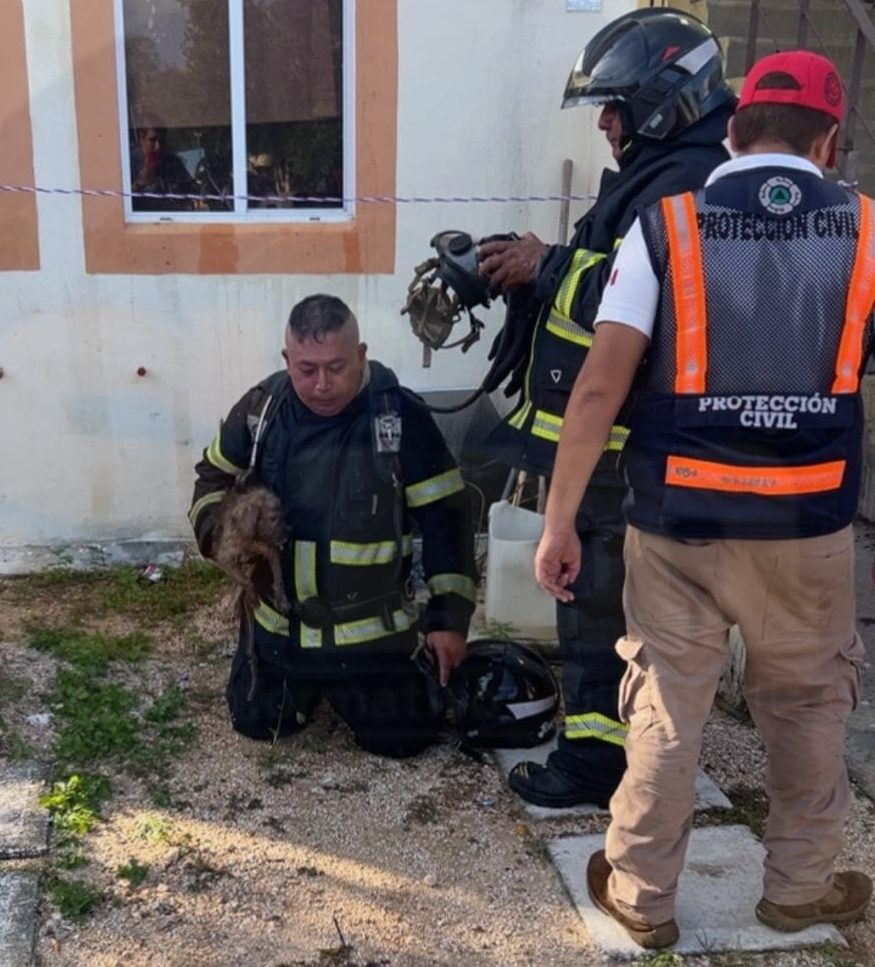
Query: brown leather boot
[(844, 902), (650, 936)]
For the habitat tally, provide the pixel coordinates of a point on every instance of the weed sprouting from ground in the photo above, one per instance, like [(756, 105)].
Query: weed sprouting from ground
[(132, 871), (102, 724), (75, 899)]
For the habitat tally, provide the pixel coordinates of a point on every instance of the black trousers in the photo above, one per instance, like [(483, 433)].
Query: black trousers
[(588, 629), (389, 707)]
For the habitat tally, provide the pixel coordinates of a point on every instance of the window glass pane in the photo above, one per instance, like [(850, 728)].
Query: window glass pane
[(294, 100), (179, 101)]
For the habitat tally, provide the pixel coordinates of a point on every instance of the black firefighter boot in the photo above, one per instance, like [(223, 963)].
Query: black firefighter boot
[(552, 788)]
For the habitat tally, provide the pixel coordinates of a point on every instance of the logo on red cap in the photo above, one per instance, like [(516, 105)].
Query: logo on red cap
[(832, 89)]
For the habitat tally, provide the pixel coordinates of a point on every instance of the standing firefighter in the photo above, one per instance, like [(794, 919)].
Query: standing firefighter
[(659, 75), (753, 302), (355, 460)]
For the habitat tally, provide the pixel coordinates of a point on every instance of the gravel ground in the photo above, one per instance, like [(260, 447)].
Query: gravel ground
[(311, 852)]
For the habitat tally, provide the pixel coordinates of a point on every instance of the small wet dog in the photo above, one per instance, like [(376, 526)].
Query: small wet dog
[(250, 531)]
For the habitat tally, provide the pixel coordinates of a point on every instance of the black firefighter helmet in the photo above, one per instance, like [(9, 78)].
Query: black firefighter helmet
[(503, 695), (664, 67)]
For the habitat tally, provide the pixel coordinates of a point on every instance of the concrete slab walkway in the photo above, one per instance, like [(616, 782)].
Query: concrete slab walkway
[(717, 894)]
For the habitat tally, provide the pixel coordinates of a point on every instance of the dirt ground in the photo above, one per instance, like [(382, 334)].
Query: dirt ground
[(310, 852)]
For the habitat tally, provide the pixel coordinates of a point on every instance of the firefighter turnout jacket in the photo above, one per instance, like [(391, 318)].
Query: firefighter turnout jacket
[(749, 420), (352, 486), (569, 285)]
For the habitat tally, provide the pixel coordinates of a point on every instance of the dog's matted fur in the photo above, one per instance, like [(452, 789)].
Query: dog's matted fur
[(250, 529)]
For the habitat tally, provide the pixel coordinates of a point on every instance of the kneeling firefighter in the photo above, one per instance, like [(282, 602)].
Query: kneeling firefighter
[(658, 74), (357, 462)]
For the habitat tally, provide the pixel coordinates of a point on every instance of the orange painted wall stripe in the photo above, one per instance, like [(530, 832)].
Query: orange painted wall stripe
[(861, 297), (770, 481), (19, 241), (363, 246), (685, 255)]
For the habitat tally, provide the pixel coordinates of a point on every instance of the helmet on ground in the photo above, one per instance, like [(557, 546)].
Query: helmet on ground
[(664, 67), (503, 695)]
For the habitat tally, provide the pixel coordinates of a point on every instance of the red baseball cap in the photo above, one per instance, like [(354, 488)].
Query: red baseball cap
[(815, 83)]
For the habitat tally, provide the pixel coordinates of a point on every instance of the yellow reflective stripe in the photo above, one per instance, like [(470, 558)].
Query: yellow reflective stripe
[(546, 426), (218, 459), (453, 584), (594, 725), (520, 417), (305, 569), (278, 624), (270, 620), (618, 242), (205, 501), (617, 438), (370, 629), (582, 261), (568, 330), (365, 555), (310, 637), (434, 488)]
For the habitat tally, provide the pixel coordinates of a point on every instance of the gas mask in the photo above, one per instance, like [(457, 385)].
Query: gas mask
[(444, 287)]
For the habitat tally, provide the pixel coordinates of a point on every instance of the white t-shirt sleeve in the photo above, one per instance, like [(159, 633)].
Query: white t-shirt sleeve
[(632, 293)]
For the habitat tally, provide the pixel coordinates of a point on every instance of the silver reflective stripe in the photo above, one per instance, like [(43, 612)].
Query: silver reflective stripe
[(522, 710), (434, 488), (205, 501), (547, 426), (617, 438), (369, 629), (594, 725), (305, 569), (218, 459), (696, 59), (453, 584), (271, 620), (568, 330), (278, 624), (363, 555)]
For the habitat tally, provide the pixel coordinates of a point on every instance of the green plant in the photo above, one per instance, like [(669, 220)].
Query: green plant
[(662, 959), (88, 652), (167, 706), (154, 829), (75, 899), (93, 719), (75, 803), (133, 872)]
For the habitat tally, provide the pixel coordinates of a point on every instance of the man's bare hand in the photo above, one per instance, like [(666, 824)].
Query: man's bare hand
[(448, 648), (557, 563), (513, 263)]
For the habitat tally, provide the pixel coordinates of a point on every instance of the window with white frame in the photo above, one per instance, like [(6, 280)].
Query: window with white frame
[(242, 105)]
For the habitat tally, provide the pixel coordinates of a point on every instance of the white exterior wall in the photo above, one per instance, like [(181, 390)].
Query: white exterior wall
[(97, 458)]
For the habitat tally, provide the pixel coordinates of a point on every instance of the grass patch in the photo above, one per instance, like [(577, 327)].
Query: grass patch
[(75, 899), (133, 872), (121, 590), (98, 720), (89, 652), (153, 829)]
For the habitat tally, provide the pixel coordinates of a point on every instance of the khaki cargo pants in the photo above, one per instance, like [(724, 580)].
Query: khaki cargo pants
[(794, 603)]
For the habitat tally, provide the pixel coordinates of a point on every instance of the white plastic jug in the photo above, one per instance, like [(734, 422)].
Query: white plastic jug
[(513, 598)]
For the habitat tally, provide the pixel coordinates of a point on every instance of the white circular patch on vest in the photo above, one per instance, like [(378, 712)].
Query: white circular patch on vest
[(780, 195)]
